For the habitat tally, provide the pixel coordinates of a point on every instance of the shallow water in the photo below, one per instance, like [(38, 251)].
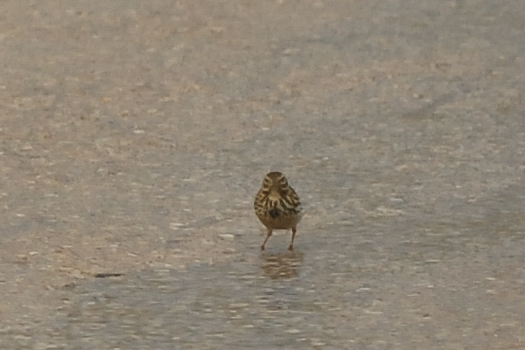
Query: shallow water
[(135, 136), (389, 286)]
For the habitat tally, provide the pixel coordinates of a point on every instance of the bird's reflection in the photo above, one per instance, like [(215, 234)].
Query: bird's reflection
[(283, 265)]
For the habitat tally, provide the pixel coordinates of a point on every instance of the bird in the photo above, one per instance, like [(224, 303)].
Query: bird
[(277, 206)]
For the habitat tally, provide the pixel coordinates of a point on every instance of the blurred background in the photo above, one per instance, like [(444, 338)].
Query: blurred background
[(134, 136)]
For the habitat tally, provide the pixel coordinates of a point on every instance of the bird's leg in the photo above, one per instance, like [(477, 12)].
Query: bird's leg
[(294, 231), (267, 238)]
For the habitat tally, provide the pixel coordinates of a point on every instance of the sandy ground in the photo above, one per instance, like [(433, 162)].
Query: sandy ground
[(134, 135)]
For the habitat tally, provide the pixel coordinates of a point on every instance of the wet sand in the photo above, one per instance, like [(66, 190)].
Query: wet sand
[(134, 136)]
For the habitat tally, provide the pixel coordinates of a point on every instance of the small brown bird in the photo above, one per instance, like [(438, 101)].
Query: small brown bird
[(277, 206)]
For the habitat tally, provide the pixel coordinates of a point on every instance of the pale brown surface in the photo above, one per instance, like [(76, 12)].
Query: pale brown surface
[(134, 135)]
